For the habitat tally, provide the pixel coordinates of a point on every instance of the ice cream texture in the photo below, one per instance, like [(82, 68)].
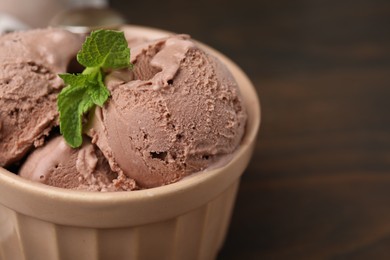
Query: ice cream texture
[(85, 168), (179, 111), (29, 63)]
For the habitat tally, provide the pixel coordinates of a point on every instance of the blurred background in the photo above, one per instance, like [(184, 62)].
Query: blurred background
[(318, 186)]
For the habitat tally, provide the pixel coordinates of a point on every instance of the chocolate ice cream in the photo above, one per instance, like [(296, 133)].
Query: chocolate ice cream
[(178, 112), (29, 85), (85, 168)]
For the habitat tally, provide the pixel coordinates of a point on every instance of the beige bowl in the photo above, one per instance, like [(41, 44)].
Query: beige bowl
[(185, 220)]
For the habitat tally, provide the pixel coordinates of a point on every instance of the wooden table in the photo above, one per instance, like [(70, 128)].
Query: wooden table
[(318, 186)]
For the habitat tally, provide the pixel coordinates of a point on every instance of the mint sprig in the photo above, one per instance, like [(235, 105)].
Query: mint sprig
[(103, 50)]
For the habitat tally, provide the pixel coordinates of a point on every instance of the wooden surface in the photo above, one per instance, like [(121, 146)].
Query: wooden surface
[(318, 186)]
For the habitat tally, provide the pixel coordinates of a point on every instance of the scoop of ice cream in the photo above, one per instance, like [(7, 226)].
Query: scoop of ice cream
[(29, 85), (85, 168), (178, 112)]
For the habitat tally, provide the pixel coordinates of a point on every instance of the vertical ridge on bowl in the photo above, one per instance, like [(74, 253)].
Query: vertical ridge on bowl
[(156, 240), (214, 222), (230, 199), (38, 238), (188, 227), (77, 243), (9, 239), (128, 245)]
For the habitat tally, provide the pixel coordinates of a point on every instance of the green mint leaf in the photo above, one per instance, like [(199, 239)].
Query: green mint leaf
[(98, 93), (105, 49), (96, 90), (73, 102), (102, 50)]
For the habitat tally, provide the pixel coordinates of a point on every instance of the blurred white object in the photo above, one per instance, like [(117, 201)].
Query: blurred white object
[(86, 19), (79, 3), (22, 14), (9, 23)]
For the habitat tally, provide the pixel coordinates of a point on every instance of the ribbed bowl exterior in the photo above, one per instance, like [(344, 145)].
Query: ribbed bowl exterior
[(195, 235)]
